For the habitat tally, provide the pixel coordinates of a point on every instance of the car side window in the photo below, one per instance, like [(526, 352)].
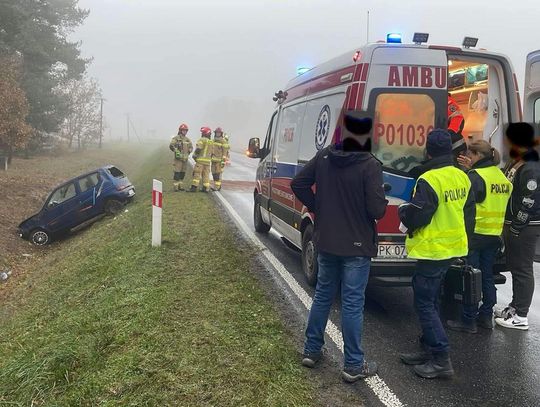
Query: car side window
[(62, 194), (88, 182)]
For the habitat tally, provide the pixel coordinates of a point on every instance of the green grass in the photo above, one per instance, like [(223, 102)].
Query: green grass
[(107, 320)]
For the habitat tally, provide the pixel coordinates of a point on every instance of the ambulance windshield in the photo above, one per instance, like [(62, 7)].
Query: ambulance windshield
[(402, 123)]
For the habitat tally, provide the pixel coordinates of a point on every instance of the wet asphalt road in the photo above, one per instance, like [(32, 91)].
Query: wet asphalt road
[(493, 368)]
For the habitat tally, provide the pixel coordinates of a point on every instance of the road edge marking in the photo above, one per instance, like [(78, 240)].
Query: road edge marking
[(375, 383)]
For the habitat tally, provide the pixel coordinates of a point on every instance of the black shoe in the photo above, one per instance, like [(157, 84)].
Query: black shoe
[(435, 369), (485, 322), (205, 189), (461, 326), (415, 358), (311, 359), (193, 189), (353, 374)]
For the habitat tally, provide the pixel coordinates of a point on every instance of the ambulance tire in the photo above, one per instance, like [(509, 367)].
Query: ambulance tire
[(258, 222), (309, 256)]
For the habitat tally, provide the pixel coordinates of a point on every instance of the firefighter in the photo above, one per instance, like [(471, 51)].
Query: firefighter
[(522, 224), (182, 147), (220, 152), (436, 221), (203, 159), (491, 192), (456, 121)]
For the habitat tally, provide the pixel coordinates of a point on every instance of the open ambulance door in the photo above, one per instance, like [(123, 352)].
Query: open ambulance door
[(531, 108)]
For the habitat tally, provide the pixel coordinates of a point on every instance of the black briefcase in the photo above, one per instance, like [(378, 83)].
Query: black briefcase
[(463, 283)]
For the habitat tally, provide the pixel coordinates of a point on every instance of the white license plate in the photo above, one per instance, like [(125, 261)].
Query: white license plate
[(392, 251), (131, 192)]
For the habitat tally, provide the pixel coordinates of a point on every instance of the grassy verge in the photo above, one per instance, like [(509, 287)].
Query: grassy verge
[(107, 320)]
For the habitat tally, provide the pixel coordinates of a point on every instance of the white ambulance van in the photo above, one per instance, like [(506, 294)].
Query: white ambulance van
[(405, 87)]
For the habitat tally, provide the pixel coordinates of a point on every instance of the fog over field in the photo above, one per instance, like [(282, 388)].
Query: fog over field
[(218, 63)]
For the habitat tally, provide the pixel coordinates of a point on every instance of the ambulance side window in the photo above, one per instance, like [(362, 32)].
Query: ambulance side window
[(537, 111), (402, 123), (268, 142)]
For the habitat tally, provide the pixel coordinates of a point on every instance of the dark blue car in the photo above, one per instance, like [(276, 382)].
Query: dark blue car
[(77, 202)]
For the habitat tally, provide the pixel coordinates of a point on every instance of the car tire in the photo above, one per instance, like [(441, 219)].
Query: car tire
[(260, 226), (310, 266), (113, 207), (40, 237)]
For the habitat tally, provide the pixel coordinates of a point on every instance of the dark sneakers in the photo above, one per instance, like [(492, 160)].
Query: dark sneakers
[(462, 326), (415, 358), (485, 322), (311, 359), (353, 374), (435, 369)]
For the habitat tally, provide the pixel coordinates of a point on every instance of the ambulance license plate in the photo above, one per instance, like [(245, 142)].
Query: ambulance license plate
[(392, 251)]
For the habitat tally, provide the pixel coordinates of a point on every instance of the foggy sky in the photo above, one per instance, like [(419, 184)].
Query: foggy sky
[(170, 61)]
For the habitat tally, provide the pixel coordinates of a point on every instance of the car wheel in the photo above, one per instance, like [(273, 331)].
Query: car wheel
[(113, 207), (258, 221), (39, 237), (309, 256)]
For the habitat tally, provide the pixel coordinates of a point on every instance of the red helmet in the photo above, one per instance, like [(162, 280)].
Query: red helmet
[(206, 131), (218, 130), (183, 126)]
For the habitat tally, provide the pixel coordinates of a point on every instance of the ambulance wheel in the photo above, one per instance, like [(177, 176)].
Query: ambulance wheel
[(309, 256), (260, 226)]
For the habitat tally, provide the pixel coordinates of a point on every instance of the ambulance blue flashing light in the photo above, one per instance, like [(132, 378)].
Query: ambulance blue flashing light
[(393, 38), (302, 70)]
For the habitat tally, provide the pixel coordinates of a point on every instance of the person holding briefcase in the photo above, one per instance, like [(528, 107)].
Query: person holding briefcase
[(492, 191), (437, 220)]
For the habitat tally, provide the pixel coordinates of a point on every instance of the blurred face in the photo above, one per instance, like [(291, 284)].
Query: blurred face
[(218, 134), (183, 132), (474, 156)]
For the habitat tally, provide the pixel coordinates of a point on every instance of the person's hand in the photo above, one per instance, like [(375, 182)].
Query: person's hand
[(514, 232), (464, 161)]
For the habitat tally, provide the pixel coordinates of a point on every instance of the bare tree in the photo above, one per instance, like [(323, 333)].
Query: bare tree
[(82, 124)]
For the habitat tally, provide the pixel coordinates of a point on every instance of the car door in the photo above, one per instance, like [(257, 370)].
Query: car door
[(62, 207), (267, 165), (531, 108), (88, 186)]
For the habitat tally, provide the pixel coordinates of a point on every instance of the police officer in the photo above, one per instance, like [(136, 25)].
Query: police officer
[(435, 221), (203, 159), (522, 225), (220, 152), (182, 147), (491, 192)]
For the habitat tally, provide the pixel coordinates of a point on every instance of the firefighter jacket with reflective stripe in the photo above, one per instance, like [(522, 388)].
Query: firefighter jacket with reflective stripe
[(220, 150), (490, 211), (181, 146), (445, 236), (203, 151)]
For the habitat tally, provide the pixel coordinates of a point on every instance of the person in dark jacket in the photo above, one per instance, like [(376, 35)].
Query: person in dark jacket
[(349, 200), (491, 192), (438, 220), (522, 224)]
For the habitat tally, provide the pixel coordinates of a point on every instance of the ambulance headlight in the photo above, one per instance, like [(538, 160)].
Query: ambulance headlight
[(393, 38), (419, 38)]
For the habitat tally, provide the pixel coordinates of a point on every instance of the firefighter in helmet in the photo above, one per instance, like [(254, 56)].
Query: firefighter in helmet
[(182, 147), (220, 152), (203, 160), (456, 121)]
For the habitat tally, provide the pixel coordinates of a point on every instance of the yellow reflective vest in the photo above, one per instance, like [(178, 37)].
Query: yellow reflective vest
[(203, 151), (490, 213), (445, 237)]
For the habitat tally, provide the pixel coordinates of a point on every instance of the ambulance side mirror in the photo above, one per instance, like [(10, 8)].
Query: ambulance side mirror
[(254, 150)]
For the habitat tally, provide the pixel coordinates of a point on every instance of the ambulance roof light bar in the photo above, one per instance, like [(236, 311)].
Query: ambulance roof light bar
[(393, 38), (469, 42), (419, 38), (302, 70)]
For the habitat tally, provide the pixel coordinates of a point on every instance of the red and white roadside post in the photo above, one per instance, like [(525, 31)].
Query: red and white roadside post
[(157, 205)]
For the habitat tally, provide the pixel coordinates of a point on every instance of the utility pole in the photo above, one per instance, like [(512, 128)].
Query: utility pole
[(367, 34), (101, 123), (127, 127)]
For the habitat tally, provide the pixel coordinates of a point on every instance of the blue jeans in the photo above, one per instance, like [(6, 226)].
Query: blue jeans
[(483, 259), (427, 286), (351, 273)]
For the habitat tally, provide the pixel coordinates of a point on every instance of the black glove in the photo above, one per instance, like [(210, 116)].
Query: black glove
[(514, 231)]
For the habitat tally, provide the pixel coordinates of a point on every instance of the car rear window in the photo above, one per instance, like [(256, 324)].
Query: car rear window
[(116, 173)]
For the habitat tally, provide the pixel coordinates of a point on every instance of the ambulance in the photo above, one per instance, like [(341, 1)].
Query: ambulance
[(406, 89)]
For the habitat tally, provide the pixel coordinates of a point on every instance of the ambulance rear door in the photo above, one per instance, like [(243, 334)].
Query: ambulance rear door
[(531, 108)]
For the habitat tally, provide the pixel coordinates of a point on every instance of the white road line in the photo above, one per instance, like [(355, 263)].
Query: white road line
[(375, 383)]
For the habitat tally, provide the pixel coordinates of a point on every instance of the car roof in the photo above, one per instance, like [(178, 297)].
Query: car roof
[(100, 169)]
